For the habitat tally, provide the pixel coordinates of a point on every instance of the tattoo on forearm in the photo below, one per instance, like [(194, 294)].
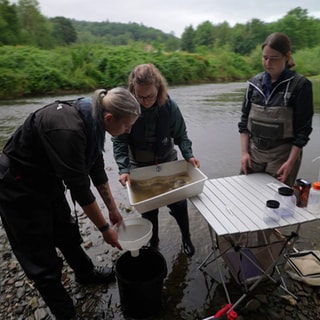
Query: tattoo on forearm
[(105, 194)]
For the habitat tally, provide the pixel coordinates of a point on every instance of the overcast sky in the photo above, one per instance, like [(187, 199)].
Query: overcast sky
[(175, 15)]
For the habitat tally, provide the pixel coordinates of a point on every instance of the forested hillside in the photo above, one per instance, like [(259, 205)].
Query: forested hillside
[(23, 23), (112, 33), (40, 55)]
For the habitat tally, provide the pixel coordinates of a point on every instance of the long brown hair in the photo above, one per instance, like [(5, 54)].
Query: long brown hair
[(148, 74)]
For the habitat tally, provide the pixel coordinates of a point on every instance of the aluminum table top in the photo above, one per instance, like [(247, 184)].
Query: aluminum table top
[(236, 204)]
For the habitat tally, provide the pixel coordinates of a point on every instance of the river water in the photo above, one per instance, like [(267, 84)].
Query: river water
[(211, 112)]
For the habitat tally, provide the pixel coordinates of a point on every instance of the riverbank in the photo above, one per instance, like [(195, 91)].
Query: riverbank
[(19, 300), (28, 70)]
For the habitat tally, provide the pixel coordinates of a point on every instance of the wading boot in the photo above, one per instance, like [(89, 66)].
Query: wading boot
[(179, 211), (152, 216), (188, 247)]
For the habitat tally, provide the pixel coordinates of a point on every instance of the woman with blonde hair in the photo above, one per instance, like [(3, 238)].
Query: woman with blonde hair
[(151, 141)]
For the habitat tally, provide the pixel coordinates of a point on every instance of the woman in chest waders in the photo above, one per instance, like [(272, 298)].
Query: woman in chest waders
[(151, 141), (276, 115)]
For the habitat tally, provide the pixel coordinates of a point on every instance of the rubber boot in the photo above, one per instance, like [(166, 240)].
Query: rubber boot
[(179, 211), (152, 216)]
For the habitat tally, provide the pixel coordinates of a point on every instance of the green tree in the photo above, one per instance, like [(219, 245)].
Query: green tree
[(222, 34), (188, 39), (35, 27), (247, 36), (63, 31), (205, 35), (9, 23), (304, 31)]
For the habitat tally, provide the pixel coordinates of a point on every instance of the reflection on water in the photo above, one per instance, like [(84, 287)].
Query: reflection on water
[(149, 188), (211, 111)]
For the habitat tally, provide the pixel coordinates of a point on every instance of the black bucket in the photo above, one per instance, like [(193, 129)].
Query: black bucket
[(140, 283)]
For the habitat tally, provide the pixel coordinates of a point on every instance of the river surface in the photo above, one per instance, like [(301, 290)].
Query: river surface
[(211, 112)]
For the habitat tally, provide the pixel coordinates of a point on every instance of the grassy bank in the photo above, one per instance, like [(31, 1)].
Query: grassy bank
[(316, 92), (30, 71), (27, 70)]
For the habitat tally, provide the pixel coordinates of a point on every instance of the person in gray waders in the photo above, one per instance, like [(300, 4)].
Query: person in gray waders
[(60, 146), (151, 141), (277, 113)]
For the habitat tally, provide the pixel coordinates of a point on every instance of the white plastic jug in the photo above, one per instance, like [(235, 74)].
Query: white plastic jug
[(314, 198)]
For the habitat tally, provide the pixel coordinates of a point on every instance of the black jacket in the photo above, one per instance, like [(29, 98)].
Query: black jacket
[(301, 101), (57, 143)]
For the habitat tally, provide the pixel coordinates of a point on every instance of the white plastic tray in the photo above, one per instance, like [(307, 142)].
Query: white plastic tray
[(167, 169)]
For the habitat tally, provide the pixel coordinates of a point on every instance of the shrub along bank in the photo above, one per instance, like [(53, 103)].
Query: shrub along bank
[(26, 70)]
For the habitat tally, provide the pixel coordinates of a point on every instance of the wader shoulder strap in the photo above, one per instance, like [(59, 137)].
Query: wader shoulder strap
[(163, 128), (295, 81)]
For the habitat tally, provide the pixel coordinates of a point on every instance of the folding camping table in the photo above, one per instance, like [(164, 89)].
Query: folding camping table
[(233, 208)]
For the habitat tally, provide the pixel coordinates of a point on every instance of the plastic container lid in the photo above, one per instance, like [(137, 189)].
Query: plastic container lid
[(274, 204), (285, 191), (316, 185), (303, 183)]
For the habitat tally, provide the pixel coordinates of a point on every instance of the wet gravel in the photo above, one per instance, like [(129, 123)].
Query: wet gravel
[(20, 300)]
